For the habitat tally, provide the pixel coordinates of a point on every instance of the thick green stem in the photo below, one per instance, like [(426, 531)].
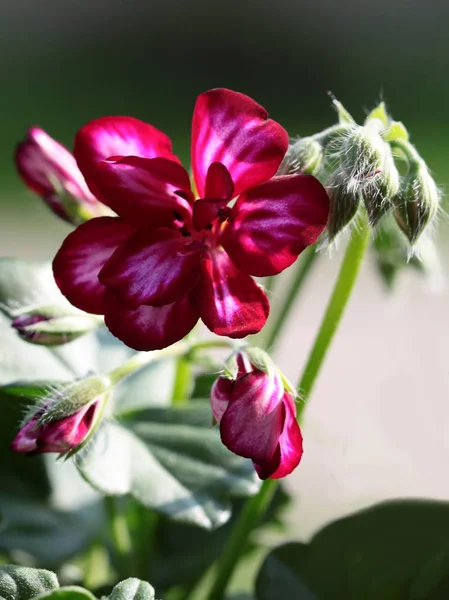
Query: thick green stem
[(256, 506), (120, 537), (308, 259)]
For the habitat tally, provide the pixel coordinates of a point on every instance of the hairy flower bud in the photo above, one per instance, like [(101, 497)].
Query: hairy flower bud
[(65, 419), (50, 170), (305, 155), (343, 205), (54, 325), (256, 412), (366, 170), (417, 201), (378, 196)]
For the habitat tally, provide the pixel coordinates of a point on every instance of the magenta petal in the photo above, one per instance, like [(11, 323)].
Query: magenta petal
[(230, 302), (145, 192), (149, 327), (206, 211), (273, 223), (253, 421), (220, 396), (290, 441), (68, 433), (219, 184), (82, 256), (155, 267), (118, 136), (26, 439), (232, 129)]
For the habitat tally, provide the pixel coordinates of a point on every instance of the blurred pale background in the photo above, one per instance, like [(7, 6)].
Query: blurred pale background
[(377, 426)]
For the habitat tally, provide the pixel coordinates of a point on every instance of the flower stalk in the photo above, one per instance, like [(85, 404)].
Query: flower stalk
[(257, 505)]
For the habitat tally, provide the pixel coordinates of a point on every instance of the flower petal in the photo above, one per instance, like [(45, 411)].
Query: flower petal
[(42, 161), (253, 421), (230, 302), (149, 327), (117, 136), (219, 190), (219, 184), (231, 128), (145, 192), (274, 222), (26, 439), (65, 434), (220, 396), (82, 255), (155, 267), (290, 441)]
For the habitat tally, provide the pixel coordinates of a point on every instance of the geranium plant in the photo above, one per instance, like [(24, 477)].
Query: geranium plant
[(183, 432)]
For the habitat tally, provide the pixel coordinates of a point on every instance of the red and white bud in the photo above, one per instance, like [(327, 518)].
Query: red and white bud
[(64, 420), (51, 171), (257, 415)]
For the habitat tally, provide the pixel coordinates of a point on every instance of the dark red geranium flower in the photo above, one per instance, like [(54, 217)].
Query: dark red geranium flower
[(257, 419), (169, 259)]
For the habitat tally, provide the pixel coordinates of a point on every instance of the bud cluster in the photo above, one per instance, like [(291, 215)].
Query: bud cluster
[(359, 166)]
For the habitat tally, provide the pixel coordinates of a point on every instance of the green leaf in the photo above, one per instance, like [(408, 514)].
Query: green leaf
[(132, 589), (151, 385), (395, 551), (50, 536), (24, 286), (183, 553), (169, 460), (32, 489), (203, 384), (72, 592), (280, 577), (23, 583)]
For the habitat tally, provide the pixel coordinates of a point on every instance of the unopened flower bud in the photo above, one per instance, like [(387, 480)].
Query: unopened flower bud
[(362, 155), (417, 201), (305, 155), (378, 195), (256, 412), (65, 419), (50, 170), (343, 204), (54, 325)]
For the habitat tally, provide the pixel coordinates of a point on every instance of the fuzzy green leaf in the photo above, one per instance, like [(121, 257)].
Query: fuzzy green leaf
[(170, 460), (72, 592), (132, 589), (23, 583)]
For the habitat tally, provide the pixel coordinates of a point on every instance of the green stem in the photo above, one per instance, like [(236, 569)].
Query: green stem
[(256, 506), (180, 349), (303, 270), (338, 301), (183, 381), (120, 536)]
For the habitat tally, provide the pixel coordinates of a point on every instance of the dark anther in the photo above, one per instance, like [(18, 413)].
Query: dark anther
[(208, 227), (178, 217), (185, 232)]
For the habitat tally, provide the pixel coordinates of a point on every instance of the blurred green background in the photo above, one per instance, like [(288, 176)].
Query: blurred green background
[(65, 62)]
